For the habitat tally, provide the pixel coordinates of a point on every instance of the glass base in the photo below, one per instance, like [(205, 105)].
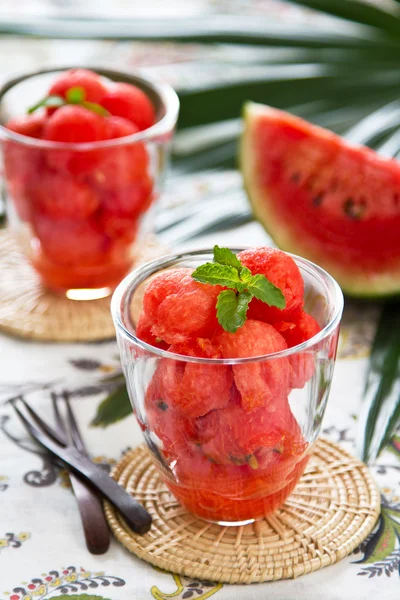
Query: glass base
[(234, 523), (88, 294)]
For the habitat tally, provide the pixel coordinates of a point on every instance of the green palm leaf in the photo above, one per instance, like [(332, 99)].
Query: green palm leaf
[(391, 145), (359, 12), (230, 29), (302, 83), (380, 410), (375, 124)]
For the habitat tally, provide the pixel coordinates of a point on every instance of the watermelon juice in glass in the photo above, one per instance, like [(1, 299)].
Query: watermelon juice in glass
[(84, 154), (228, 358)]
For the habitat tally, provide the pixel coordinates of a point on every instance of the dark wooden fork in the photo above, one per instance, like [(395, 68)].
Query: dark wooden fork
[(135, 515), (94, 524)]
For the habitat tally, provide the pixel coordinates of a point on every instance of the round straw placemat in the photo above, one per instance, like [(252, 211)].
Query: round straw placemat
[(332, 510), (28, 310)]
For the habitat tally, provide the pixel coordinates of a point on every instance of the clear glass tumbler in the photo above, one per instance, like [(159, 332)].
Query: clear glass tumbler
[(81, 210), (227, 465)]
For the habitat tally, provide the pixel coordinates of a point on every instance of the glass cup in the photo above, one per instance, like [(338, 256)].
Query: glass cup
[(222, 463), (81, 211)]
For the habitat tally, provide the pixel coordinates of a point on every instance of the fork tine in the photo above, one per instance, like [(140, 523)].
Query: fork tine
[(57, 416), (49, 431), (36, 432), (31, 429), (75, 434), (29, 446)]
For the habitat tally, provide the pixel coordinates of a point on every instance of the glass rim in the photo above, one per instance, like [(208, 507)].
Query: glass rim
[(166, 94), (131, 282)]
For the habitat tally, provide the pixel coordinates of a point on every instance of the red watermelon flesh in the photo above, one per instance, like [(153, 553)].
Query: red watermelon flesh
[(192, 388), (302, 364), (234, 493), (232, 435), (226, 431), (259, 383), (322, 198), (282, 271)]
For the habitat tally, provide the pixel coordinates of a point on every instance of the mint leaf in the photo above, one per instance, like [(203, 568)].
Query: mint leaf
[(232, 304), (96, 108), (50, 101), (232, 309), (246, 275), (75, 95), (224, 256), (262, 289), (216, 274)]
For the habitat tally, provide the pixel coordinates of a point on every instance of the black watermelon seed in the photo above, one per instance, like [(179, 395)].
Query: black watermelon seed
[(162, 405), (317, 200), (354, 210), (295, 178)]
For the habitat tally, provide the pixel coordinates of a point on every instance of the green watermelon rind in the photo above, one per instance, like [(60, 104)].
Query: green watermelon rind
[(352, 282)]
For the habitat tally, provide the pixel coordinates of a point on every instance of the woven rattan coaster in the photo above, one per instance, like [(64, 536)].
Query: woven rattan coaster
[(28, 310), (332, 510)]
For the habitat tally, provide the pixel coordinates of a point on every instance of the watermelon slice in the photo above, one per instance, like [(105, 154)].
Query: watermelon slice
[(322, 198)]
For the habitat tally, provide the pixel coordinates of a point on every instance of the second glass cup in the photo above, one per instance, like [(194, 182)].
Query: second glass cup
[(81, 210), (226, 464)]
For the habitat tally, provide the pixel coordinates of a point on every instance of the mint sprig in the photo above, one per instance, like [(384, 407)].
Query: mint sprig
[(232, 304), (224, 256), (75, 95), (49, 101), (217, 274), (232, 309)]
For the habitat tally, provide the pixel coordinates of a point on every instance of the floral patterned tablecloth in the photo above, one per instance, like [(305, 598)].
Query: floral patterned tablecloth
[(42, 552)]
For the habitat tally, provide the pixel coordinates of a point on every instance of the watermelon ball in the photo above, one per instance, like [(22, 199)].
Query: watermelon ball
[(63, 197), (118, 227), (128, 101), (196, 472), (232, 435), (75, 124), (279, 470), (69, 242), (163, 284), (121, 208), (22, 162), (175, 430), (301, 330), (260, 384), (232, 492), (117, 127), (180, 307), (143, 332), (21, 165), (193, 388), (19, 198), (83, 78), (283, 272), (121, 167), (29, 125), (302, 364), (124, 165)]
